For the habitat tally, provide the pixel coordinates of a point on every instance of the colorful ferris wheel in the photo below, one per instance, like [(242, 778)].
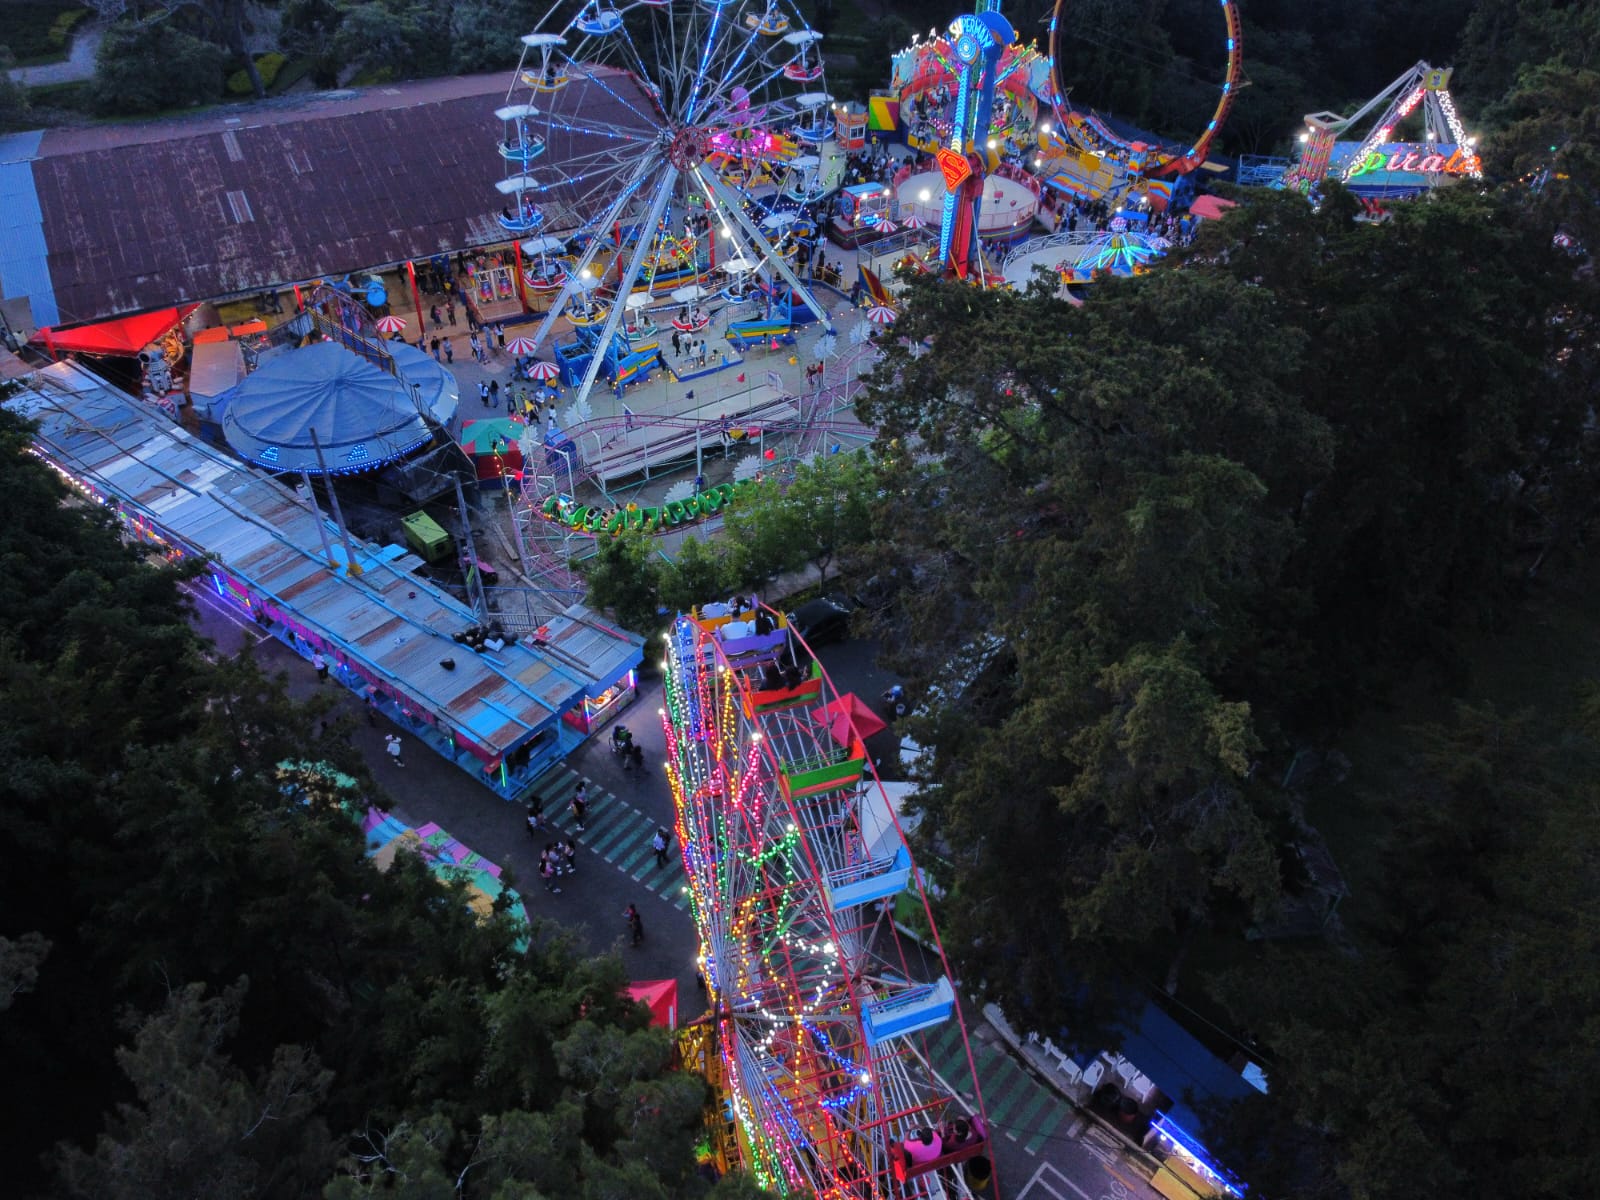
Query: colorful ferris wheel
[(627, 125), (824, 1015), (1093, 134)]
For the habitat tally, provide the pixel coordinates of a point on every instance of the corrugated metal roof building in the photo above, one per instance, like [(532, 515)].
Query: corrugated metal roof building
[(109, 219), (503, 715)]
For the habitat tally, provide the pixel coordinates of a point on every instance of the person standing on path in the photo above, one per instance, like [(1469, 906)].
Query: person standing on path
[(434, 346), (483, 391), (472, 340), (449, 351), (500, 334), (392, 745), (580, 805), (659, 844), (494, 393), (677, 351), (450, 312), (635, 924), (433, 315), (321, 664)]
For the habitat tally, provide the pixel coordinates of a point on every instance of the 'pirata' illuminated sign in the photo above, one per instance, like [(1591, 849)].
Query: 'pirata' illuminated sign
[(1412, 158)]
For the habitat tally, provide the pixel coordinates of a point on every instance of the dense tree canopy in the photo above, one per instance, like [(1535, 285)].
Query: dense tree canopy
[(1214, 510), (208, 989)]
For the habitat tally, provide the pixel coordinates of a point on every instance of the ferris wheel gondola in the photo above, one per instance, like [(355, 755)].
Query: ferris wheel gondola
[(519, 145), (815, 123), (805, 65)]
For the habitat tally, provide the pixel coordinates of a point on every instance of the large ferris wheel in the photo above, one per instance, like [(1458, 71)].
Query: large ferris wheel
[(823, 1016), (638, 132)]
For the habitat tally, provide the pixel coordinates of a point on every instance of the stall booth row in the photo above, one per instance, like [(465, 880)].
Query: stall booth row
[(502, 708)]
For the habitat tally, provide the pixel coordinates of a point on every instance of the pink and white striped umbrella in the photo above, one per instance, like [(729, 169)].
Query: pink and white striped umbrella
[(519, 346), (881, 314), (886, 226), (913, 222), (391, 324), (542, 370)]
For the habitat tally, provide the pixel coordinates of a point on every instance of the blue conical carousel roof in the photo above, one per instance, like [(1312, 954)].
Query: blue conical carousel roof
[(363, 416)]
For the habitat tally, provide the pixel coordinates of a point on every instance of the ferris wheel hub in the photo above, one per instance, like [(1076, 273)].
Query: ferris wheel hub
[(687, 146)]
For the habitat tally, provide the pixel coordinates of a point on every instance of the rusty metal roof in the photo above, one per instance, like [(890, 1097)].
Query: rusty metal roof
[(243, 199), (391, 625)]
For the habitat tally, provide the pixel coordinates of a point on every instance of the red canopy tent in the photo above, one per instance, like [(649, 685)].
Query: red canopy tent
[(1211, 207), (125, 336), (849, 709), (660, 996)]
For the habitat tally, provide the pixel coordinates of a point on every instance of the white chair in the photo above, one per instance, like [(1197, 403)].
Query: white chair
[(1070, 1071), (1125, 1073), (1142, 1089), (1094, 1074)]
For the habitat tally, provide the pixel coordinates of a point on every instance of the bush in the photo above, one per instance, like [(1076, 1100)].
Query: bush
[(14, 104), (268, 64), (148, 69)]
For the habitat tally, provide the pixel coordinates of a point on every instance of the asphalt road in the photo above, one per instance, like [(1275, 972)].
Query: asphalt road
[(1043, 1149)]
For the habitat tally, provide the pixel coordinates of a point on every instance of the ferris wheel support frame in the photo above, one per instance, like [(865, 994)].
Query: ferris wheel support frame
[(641, 248), (571, 285), (736, 210)]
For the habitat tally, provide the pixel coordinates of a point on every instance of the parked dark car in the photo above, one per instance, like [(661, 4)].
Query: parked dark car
[(822, 621)]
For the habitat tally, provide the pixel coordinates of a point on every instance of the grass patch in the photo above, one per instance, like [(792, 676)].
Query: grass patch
[(38, 34), (291, 74), (71, 97)]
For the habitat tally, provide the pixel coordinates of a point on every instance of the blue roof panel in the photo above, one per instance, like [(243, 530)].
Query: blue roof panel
[(24, 260), (1180, 1065)]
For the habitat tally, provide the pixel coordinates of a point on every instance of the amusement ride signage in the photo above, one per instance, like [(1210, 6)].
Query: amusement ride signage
[(1413, 158)]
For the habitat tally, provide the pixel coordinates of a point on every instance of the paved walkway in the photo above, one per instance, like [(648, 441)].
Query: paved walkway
[(79, 63)]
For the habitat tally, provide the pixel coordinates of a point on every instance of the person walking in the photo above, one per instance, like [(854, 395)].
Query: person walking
[(472, 340), (569, 856), (450, 312), (433, 315), (483, 391), (434, 345), (449, 351), (494, 393), (580, 805), (547, 872), (659, 844), (392, 745), (321, 664), (535, 814), (500, 334), (635, 924), (677, 348)]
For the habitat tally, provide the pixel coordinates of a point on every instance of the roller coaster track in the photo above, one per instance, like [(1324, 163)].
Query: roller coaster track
[(826, 419)]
